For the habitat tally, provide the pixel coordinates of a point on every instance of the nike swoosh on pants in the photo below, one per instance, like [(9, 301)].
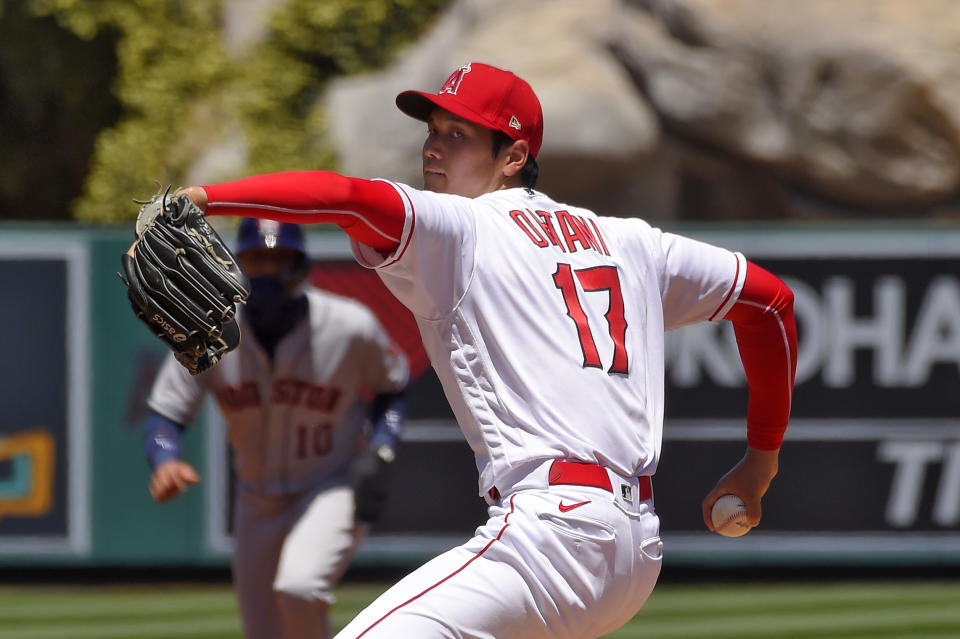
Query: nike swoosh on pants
[(564, 508)]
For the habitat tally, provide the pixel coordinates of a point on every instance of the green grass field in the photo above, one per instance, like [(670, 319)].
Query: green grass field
[(742, 611)]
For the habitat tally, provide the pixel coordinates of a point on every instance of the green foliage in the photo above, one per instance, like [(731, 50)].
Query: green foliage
[(346, 36), (54, 99), (169, 61), (183, 93)]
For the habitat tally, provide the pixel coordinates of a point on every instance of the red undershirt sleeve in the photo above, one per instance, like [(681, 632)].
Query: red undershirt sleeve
[(766, 333), (369, 211)]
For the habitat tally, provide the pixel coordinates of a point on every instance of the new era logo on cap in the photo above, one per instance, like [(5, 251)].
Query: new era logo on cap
[(487, 96)]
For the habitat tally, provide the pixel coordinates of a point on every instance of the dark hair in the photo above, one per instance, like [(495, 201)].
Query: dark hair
[(530, 171)]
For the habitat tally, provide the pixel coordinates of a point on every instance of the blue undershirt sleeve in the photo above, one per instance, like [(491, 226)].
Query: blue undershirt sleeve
[(161, 439), (388, 413)]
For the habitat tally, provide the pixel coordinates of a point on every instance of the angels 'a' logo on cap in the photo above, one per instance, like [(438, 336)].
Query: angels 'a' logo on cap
[(514, 123), (452, 85), (269, 231)]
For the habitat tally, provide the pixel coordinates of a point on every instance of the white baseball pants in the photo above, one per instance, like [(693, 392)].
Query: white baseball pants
[(535, 570)]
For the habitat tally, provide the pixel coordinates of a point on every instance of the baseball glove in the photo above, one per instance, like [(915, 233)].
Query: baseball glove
[(183, 282)]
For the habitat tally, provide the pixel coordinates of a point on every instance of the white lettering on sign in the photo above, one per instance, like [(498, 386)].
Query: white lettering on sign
[(712, 351), (832, 333), (936, 337), (881, 332), (911, 460)]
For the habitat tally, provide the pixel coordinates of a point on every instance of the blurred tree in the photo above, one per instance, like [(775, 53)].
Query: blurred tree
[(309, 43), (169, 60), (54, 100), (186, 98)]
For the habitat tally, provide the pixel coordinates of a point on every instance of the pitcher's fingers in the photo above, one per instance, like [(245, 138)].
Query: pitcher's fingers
[(754, 512), (708, 503)]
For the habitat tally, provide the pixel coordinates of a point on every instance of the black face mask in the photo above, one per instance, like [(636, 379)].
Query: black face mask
[(271, 312)]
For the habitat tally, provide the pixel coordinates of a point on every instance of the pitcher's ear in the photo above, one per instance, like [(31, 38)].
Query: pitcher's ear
[(517, 154)]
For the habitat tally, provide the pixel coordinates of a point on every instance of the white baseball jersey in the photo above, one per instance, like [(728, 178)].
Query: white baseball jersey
[(545, 323), (297, 421)]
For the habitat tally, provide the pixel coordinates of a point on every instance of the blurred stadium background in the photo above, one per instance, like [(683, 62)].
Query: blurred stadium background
[(822, 139)]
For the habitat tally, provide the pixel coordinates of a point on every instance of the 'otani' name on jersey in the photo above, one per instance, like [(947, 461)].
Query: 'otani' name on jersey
[(542, 230), (284, 391)]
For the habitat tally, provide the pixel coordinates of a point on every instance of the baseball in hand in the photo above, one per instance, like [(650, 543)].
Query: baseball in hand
[(729, 516)]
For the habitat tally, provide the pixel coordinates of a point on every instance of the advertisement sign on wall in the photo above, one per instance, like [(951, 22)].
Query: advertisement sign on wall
[(43, 397)]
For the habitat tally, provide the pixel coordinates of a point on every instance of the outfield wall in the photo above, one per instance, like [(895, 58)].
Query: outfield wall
[(870, 472)]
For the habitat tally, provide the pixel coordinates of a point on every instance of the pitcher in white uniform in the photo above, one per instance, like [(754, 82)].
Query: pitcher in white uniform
[(311, 456), (545, 324)]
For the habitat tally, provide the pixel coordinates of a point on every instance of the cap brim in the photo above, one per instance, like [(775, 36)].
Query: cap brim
[(416, 104), (420, 105)]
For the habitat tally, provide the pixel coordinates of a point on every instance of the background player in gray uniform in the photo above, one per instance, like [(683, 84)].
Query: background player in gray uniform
[(545, 324), (311, 472)]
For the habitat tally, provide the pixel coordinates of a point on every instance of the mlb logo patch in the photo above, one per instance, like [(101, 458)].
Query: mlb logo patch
[(626, 491)]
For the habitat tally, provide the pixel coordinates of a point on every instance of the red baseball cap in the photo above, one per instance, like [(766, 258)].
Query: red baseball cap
[(487, 96)]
